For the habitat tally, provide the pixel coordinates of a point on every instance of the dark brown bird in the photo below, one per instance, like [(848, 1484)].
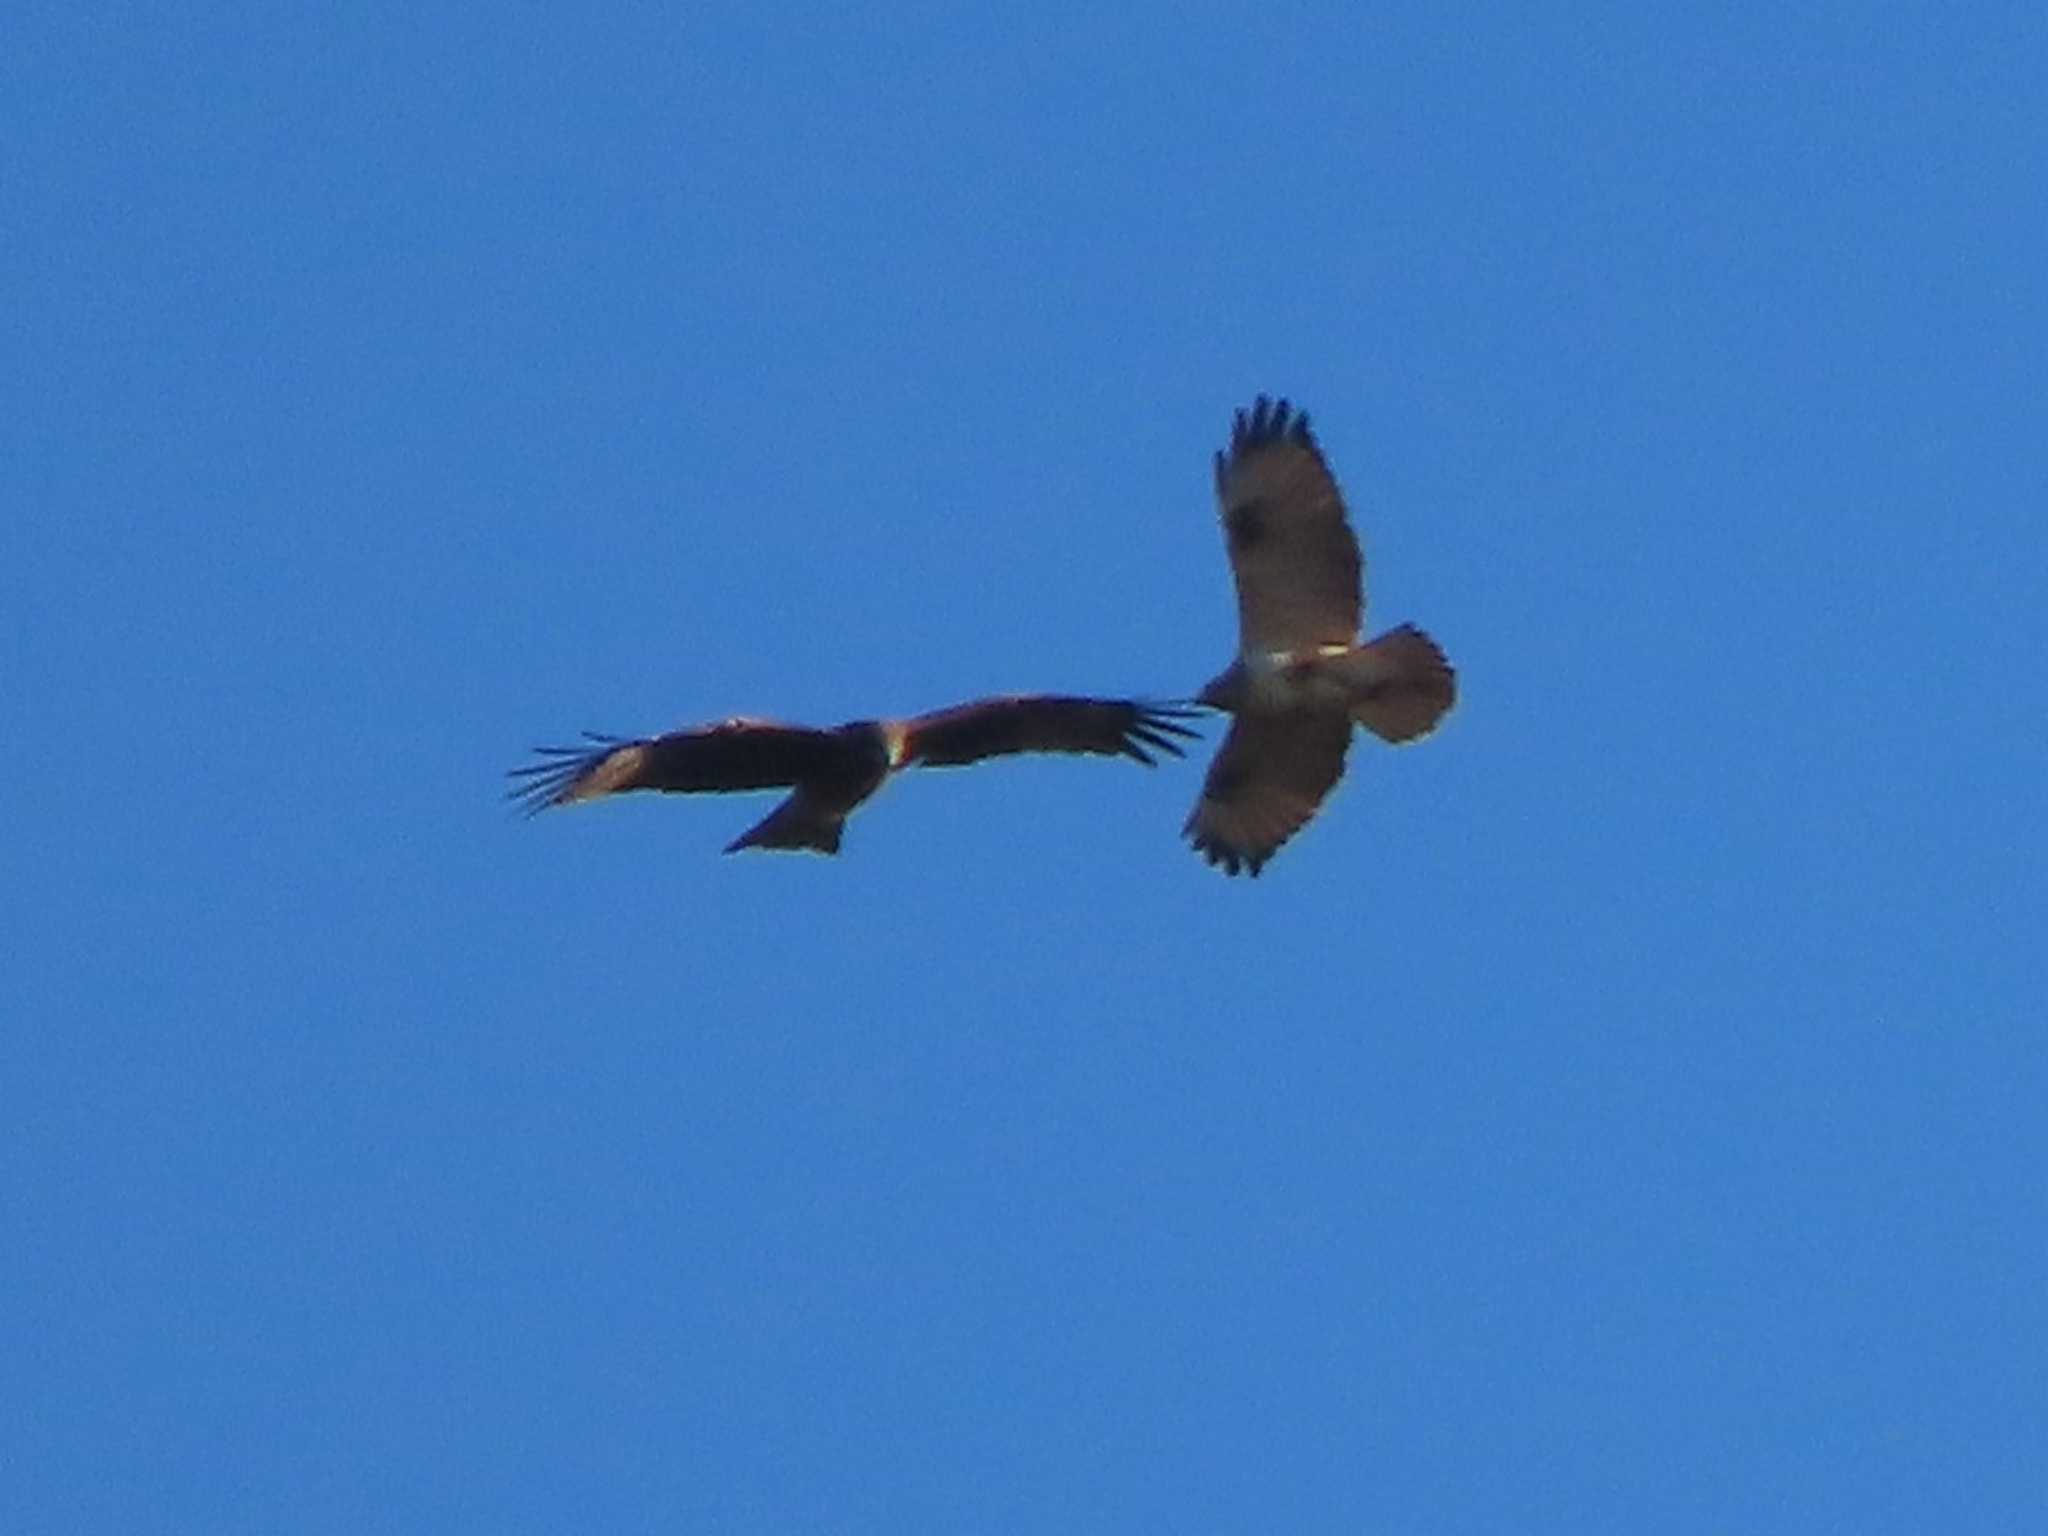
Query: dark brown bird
[(830, 772), (1301, 679)]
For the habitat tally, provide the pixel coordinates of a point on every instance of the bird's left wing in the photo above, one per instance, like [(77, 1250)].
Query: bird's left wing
[(1269, 778), (733, 754), (1045, 722)]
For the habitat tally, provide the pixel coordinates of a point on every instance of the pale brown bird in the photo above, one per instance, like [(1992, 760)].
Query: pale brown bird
[(830, 772), (1301, 678)]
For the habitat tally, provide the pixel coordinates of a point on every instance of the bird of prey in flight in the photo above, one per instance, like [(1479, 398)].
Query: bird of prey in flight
[(832, 771), (1301, 678)]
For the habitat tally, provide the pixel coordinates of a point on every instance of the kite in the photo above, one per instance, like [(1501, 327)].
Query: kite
[(1301, 679), (830, 772)]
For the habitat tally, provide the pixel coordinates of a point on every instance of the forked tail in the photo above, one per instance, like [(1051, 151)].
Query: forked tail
[(799, 822)]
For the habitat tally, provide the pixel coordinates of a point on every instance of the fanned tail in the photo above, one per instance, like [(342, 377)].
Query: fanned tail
[(1401, 685)]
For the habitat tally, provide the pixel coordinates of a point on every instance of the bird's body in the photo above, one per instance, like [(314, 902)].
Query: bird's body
[(1301, 678), (830, 772)]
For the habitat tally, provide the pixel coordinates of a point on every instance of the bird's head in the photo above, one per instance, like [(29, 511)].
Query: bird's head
[(1225, 690)]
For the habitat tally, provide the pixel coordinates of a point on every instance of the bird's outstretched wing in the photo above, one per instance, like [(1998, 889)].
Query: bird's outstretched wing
[(731, 755), (1269, 777), (1296, 560), (1045, 722)]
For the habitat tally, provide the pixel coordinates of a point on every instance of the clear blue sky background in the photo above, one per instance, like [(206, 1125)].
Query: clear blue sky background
[(1623, 1111)]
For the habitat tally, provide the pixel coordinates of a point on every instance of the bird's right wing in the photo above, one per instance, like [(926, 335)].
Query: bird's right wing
[(1045, 722), (1269, 778), (734, 754), (1296, 561)]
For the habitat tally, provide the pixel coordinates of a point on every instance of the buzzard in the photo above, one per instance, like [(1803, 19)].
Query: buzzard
[(832, 771), (1300, 678)]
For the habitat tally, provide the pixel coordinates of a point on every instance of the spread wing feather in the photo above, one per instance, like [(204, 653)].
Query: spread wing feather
[(1299, 574), (968, 733), (1269, 778), (732, 755)]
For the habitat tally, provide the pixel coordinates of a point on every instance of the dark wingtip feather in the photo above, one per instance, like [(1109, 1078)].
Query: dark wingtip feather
[(539, 785), (1268, 420), (1157, 742), (1232, 861), (1155, 726), (1138, 739)]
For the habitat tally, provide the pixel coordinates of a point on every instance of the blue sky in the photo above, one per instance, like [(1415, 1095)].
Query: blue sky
[(1622, 1111)]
